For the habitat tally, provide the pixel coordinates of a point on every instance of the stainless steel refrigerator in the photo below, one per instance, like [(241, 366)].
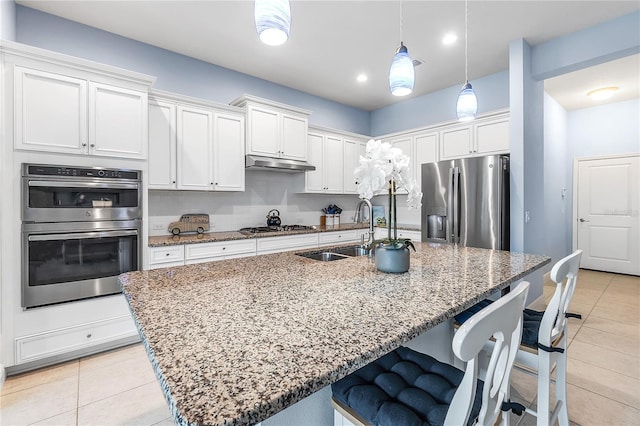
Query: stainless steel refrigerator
[(466, 202)]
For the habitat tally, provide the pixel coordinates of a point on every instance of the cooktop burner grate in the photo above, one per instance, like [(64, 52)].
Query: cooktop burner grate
[(263, 229)]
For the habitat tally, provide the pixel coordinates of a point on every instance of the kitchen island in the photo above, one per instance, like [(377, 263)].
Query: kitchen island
[(235, 342)]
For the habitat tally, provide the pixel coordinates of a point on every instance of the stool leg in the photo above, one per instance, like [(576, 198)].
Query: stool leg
[(561, 389), (544, 386)]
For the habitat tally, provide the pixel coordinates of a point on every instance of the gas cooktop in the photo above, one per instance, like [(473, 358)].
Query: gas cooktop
[(264, 229)]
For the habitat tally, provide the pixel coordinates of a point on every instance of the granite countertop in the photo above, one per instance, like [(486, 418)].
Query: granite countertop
[(210, 237), (236, 341)]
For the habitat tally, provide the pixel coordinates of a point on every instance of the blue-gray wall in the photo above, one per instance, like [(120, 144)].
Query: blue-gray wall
[(437, 107), (176, 73)]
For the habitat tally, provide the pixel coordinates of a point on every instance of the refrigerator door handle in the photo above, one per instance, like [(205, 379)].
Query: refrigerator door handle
[(455, 238), (449, 219)]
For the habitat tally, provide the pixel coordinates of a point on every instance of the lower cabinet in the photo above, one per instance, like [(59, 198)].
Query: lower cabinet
[(338, 237), (164, 257), (286, 243), (402, 233), (209, 252), (65, 340)]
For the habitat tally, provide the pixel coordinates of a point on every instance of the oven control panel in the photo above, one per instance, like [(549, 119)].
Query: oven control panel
[(87, 172)]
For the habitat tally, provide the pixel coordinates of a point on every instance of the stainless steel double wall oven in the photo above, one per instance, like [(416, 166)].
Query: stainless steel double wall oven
[(81, 228)]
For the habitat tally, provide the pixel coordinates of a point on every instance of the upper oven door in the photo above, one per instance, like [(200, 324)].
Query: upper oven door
[(74, 200)]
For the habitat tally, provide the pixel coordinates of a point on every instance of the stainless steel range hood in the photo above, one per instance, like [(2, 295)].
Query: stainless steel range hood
[(255, 162)]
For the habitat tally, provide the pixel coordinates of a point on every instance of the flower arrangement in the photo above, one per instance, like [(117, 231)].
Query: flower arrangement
[(386, 169)]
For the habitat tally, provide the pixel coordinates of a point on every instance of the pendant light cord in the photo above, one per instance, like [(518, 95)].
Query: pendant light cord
[(401, 22), (466, 54)]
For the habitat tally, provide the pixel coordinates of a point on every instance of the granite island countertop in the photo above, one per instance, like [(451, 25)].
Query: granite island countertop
[(236, 341), (210, 237)]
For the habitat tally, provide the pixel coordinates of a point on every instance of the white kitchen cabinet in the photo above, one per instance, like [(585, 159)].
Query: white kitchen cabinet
[(425, 151), (195, 145), (61, 341), (72, 115), (353, 149), (219, 250), (163, 257), (195, 148), (326, 154), (162, 145), (274, 129), (118, 121), (485, 136), (286, 243), (339, 237), (381, 233)]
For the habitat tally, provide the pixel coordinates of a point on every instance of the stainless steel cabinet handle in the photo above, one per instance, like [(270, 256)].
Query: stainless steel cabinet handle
[(584, 220)]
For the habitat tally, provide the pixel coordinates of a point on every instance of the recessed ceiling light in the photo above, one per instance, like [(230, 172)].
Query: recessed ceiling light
[(362, 77), (449, 38), (602, 93)]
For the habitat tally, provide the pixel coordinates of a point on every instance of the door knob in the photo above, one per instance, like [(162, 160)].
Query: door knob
[(584, 220)]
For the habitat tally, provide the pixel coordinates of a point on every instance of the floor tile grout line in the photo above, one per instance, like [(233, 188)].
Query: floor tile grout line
[(115, 394), (604, 396), (613, 348)]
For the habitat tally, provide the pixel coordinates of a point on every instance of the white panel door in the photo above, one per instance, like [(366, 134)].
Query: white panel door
[(404, 143), (351, 162), (455, 143), (492, 137), (263, 132), (162, 145), (608, 214), (118, 121), (334, 165), (228, 156), (315, 148), (50, 112), (194, 148), (426, 152), (294, 136)]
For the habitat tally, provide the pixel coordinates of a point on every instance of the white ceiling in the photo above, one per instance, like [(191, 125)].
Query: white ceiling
[(331, 42)]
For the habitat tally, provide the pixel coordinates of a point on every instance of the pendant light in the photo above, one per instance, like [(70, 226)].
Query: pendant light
[(402, 73), (273, 20), (467, 105)]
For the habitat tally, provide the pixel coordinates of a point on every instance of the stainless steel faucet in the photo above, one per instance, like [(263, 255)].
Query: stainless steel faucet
[(359, 219)]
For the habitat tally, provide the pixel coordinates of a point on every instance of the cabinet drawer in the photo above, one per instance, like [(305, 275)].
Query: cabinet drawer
[(158, 255), (222, 248), (286, 243), (338, 237), (44, 345), (413, 235)]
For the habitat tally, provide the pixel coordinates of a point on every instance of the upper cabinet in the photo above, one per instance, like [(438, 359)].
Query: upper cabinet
[(335, 155), (195, 144), (483, 136), (421, 147), (73, 106), (274, 129)]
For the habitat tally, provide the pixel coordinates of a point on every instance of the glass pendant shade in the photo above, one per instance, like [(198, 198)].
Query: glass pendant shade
[(273, 20), (401, 74), (467, 105)]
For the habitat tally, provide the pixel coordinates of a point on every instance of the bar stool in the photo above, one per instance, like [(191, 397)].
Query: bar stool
[(406, 387), (544, 342)]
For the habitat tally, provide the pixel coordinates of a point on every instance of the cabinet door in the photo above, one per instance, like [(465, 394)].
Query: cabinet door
[(334, 165), (228, 154), (50, 112), (162, 145), (352, 151), (315, 148), (426, 151), (194, 148), (492, 137), (404, 143), (263, 133), (294, 133), (118, 121), (455, 143)]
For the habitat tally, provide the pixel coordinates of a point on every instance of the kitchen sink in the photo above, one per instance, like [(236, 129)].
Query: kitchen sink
[(335, 253)]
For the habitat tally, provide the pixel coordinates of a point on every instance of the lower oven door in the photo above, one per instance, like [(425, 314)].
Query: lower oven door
[(76, 260)]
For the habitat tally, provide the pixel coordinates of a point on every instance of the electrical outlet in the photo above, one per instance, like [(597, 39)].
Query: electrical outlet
[(157, 227)]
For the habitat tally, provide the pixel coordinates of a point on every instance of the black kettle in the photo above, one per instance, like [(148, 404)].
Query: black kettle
[(273, 218)]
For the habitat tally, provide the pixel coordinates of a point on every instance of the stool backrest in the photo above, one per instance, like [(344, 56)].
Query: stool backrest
[(502, 321), (565, 274)]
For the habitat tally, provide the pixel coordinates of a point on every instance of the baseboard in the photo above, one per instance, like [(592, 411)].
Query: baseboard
[(3, 375)]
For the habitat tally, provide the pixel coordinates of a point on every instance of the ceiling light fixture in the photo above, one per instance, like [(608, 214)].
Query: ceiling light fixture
[(362, 77), (449, 38), (467, 105), (402, 73), (273, 21), (602, 93)]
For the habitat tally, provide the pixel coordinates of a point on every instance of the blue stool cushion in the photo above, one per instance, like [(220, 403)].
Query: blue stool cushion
[(404, 387), (530, 325)]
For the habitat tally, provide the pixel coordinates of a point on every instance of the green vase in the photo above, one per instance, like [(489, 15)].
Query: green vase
[(391, 259)]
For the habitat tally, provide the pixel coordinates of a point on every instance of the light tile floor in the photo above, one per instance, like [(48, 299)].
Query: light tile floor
[(119, 388)]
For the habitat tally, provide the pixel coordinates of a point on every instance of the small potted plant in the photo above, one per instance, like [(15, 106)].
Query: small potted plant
[(385, 169)]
